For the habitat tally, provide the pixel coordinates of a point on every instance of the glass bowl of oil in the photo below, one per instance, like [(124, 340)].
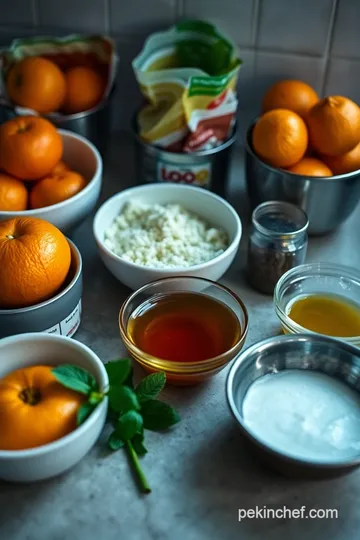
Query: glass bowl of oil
[(188, 327), (320, 298)]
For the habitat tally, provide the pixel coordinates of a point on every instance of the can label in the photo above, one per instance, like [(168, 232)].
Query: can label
[(197, 175), (69, 325)]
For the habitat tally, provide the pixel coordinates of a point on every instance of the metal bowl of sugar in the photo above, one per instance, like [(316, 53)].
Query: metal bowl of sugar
[(296, 399)]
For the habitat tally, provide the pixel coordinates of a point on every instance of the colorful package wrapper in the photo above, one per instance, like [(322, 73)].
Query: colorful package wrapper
[(188, 75), (97, 52)]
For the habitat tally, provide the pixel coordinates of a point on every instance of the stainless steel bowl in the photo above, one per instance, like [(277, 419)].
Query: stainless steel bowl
[(94, 125), (303, 351), (328, 202), (60, 314)]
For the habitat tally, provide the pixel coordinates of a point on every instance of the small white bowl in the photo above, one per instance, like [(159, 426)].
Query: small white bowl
[(205, 204), (51, 459), (83, 157)]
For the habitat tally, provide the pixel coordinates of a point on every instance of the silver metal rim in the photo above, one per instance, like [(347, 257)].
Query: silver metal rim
[(319, 179)]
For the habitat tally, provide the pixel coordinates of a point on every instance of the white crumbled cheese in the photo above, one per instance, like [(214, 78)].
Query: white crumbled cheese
[(163, 236)]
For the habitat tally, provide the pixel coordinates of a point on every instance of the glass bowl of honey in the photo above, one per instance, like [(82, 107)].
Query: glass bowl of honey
[(320, 298), (188, 327)]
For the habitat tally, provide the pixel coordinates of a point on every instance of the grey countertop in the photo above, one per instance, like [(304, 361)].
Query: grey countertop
[(201, 473)]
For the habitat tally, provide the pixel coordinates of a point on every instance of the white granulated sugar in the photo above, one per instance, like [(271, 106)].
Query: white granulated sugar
[(163, 236)]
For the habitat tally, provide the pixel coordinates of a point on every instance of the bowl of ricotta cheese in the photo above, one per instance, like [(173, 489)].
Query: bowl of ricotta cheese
[(296, 399), (156, 231)]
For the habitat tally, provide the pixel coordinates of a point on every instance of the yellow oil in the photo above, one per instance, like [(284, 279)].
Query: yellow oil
[(331, 315)]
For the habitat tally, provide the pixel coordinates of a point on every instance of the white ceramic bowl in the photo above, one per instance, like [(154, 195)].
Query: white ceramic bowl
[(54, 458), (211, 207), (82, 156)]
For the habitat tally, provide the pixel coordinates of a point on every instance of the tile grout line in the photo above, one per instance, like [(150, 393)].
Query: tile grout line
[(107, 16), (328, 45), (180, 7), (255, 24), (35, 12), (255, 36)]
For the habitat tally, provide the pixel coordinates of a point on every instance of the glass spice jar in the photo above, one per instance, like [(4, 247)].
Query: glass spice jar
[(277, 242)]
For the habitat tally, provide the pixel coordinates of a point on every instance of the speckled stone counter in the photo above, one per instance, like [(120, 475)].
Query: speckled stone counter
[(201, 473)]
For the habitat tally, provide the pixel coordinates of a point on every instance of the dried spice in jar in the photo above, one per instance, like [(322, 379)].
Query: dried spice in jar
[(277, 243)]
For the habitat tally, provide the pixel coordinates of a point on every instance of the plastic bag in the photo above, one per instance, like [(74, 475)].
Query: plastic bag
[(188, 76)]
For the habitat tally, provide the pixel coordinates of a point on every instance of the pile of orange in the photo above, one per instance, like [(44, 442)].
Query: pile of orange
[(307, 135), (40, 84), (31, 173)]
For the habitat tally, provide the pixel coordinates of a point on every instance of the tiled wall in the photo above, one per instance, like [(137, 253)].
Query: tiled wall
[(314, 40)]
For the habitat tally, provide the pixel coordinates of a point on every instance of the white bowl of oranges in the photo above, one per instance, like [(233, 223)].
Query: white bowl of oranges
[(306, 150), (40, 436), (55, 175)]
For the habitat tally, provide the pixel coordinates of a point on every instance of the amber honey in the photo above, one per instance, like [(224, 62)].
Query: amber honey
[(184, 327), (331, 315)]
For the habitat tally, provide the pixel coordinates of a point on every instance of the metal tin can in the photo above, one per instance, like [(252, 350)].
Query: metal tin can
[(60, 314), (207, 168), (277, 242)]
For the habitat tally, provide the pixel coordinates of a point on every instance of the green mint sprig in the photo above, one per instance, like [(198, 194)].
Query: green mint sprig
[(131, 409)]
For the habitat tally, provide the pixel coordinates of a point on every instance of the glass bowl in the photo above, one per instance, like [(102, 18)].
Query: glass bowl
[(321, 278), (183, 373)]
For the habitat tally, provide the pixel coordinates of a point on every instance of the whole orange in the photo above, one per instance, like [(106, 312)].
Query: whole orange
[(297, 96), (334, 125), (36, 83), (35, 409), (56, 188), (310, 166), (84, 89), (280, 138), (13, 194), (59, 168), (346, 162), (34, 261), (30, 147)]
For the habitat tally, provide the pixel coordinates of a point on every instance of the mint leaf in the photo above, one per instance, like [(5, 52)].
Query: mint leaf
[(128, 425), (114, 441), (138, 444), (95, 397), (84, 412), (150, 387), (118, 371), (75, 378), (112, 416), (158, 415), (129, 380), (123, 399)]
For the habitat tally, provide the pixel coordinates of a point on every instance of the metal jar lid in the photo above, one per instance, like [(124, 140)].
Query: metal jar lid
[(280, 220)]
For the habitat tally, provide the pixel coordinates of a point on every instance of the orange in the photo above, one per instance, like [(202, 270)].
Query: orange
[(34, 261), (280, 138), (13, 194), (30, 147), (334, 125), (310, 166), (56, 188), (36, 83), (85, 88), (346, 162), (35, 409), (297, 96), (59, 168)]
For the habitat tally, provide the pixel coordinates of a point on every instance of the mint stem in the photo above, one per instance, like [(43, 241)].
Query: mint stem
[(143, 483)]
